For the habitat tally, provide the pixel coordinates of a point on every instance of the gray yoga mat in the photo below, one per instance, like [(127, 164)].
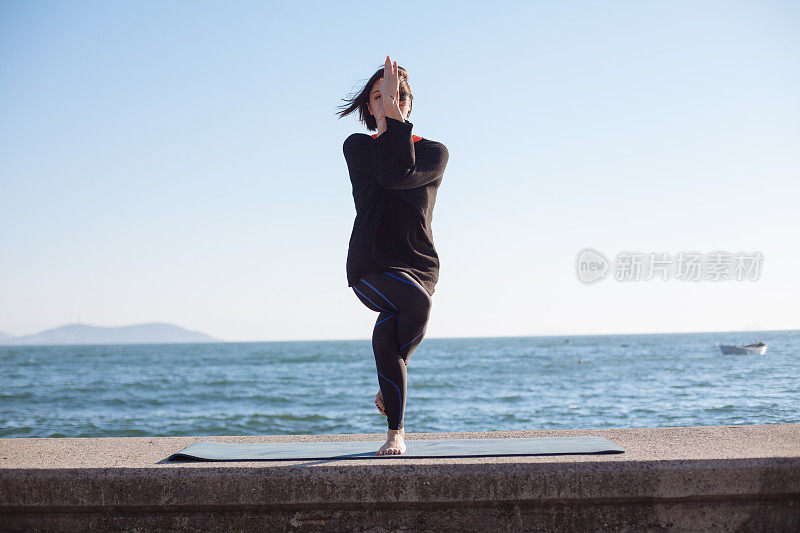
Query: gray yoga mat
[(205, 450)]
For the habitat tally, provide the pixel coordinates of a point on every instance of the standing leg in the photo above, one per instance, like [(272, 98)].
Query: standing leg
[(404, 308)]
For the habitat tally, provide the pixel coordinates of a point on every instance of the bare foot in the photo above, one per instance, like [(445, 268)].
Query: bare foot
[(395, 444), (379, 403)]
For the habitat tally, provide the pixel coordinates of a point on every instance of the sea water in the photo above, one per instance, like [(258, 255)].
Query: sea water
[(463, 384)]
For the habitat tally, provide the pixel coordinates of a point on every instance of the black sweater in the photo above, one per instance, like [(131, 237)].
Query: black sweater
[(395, 177)]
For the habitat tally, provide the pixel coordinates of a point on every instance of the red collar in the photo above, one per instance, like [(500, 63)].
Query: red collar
[(414, 138)]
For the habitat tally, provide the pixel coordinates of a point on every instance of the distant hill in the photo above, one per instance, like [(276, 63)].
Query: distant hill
[(5, 336), (155, 332)]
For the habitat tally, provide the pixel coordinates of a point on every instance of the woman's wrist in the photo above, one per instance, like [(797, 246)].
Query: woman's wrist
[(381, 122)]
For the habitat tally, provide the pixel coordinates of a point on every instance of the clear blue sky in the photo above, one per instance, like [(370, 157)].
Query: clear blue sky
[(182, 162)]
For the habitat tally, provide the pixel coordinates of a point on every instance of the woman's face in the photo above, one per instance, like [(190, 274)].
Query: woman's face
[(375, 100)]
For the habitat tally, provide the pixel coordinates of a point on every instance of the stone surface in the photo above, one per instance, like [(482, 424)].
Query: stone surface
[(723, 478)]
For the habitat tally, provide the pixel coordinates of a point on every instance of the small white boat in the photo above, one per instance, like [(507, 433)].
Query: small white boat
[(757, 348)]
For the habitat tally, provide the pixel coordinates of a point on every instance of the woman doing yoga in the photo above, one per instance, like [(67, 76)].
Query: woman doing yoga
[(392, 264)]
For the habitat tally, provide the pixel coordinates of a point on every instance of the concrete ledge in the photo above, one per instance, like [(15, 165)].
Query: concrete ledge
[(720, 478)]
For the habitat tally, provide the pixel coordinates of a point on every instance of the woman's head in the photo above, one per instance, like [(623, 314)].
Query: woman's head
[(366, 100)]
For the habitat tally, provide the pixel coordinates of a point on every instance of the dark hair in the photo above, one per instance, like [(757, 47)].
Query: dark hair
[(360, 100)]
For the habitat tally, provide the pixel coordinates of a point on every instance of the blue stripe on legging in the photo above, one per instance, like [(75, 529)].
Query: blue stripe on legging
[(385, 319), (379, 292), (403, 279), (412, 340), (370, 301), (399, 395)]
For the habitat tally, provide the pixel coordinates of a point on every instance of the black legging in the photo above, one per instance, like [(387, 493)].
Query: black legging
[(404, 307)]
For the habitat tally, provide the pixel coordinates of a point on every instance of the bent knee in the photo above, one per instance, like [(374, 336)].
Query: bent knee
[(422, 304)]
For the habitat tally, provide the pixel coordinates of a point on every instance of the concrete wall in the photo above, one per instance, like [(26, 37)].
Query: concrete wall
[(707, 478)]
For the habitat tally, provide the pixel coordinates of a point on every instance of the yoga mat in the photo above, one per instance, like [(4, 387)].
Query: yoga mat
[(205, 450)]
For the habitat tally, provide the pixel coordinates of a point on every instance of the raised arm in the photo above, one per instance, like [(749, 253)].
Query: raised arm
[(399, 165)]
